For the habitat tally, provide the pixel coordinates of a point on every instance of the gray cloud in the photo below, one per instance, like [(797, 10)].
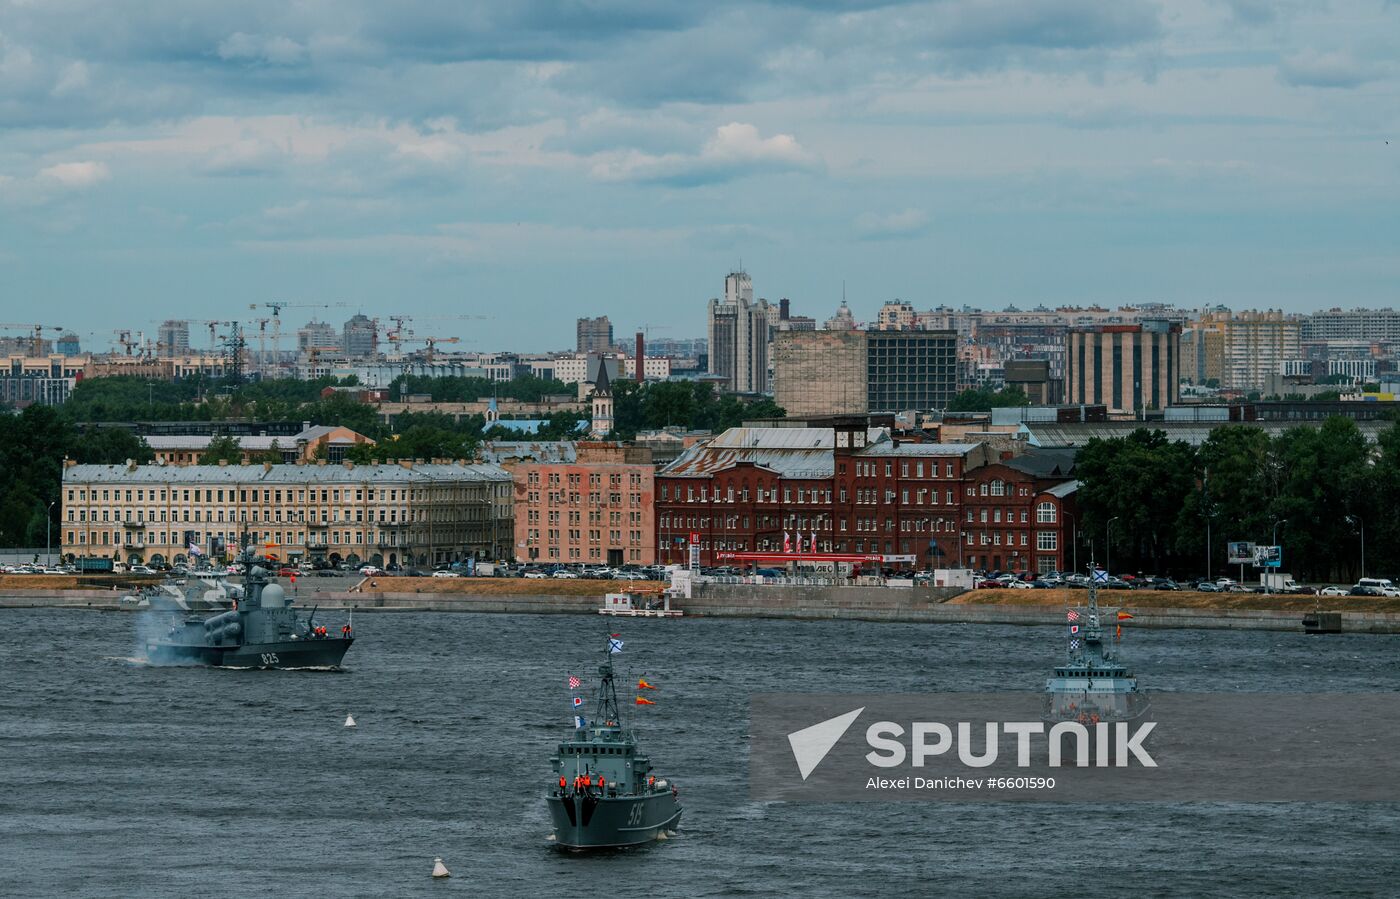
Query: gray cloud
[(888, 226), (1334, 70)]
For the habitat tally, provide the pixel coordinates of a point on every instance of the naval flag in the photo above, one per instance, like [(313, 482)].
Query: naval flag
[(577, 702), (614, 644), (574, 682), (195, 550), (1074, 628), (580, 722)]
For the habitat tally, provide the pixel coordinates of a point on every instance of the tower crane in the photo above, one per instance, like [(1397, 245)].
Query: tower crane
[(276, 320), (38, 330)]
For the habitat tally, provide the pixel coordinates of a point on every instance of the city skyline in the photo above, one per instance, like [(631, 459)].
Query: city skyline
[(512, 158)]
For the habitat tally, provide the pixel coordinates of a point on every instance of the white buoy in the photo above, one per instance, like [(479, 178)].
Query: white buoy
[(349, 720), (439, 869)]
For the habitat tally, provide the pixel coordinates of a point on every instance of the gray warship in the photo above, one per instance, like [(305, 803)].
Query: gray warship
[(605, 795), (201, 591), (260, 629), (1093, 685)]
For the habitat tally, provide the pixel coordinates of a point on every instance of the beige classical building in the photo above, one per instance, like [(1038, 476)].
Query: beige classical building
[(597, 509), (408, 513)]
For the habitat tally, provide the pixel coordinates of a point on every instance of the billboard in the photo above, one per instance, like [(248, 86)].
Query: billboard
[(1268, 556), (1239, 553)]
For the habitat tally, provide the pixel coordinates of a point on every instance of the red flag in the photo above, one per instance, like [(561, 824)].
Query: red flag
[(641, 700), (643, 685), (1123, 616)]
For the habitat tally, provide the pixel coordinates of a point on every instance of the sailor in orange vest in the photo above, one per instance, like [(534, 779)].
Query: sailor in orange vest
[(562, 784), (602, 784), (345, 630)]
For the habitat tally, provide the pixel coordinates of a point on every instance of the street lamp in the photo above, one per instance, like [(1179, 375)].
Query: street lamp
[(1073, 540), (1356, 520), (1108, 544), (1268, 587), (48, 535)]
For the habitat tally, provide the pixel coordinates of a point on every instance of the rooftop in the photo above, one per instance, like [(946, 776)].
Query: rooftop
[(285, 474)]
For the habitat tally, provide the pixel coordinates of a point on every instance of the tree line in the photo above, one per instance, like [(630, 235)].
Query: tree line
[(1146, 503)]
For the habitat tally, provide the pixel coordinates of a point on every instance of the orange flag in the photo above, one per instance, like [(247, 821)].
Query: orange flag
[(641, 700), (643, 685), (1119, 635), (1123, 616)]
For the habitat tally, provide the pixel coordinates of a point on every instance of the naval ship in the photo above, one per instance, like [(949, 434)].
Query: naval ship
[(1092, 685), (259, 630), (605, 795)]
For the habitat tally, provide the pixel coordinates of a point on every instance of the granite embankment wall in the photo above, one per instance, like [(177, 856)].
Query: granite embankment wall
[(932, 606)]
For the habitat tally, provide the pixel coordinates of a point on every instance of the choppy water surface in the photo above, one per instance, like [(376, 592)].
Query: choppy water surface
[(118, 779)]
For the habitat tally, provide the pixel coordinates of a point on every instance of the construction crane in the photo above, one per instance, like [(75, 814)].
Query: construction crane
[(276, 320), (36, 348), (398, 334)]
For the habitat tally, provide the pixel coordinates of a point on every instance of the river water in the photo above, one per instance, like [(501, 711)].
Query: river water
[(120, 779)]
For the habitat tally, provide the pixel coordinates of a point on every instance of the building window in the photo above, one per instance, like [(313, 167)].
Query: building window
[(1046, 513), (998, 488), (1047, 541)]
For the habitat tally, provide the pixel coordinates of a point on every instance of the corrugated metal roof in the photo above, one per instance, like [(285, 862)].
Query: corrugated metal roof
[(921, 449), (284, 474), (1077, 434), (1063, 490)]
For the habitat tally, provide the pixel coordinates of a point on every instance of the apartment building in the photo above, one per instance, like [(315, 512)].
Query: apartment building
[(596, 509)]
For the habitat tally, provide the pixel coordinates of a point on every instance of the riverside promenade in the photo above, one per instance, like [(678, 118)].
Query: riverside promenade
[(858, 603)]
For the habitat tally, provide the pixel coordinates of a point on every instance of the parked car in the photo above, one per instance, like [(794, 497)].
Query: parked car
[(327, 572), (1164, 583), (565, 574), (142, 569), (1207, 587), (536, 575), (1333, 591), (1365, 590), (1018, 584), (630, 576), (371, 570), (445, 573)]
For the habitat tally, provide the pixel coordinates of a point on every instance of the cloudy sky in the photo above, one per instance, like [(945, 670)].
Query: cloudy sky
[(530, 162)]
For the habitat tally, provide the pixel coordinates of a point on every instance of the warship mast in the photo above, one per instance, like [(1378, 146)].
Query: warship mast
[(608, 712)]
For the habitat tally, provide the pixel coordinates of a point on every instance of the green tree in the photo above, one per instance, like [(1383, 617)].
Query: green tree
[(222, 449), (110, 446), (985, 399)]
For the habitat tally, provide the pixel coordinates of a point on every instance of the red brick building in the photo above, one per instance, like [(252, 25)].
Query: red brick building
[(851, 488), (595, 510), (1017, 514)]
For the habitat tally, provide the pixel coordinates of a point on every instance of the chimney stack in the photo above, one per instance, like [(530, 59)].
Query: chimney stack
[(784, 308), (641, 358)]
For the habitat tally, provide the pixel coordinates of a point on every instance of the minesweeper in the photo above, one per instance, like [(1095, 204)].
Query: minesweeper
[(605, 795), (1093, 685), (261, 630)]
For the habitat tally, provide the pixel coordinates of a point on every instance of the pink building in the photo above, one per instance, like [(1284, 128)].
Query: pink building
[(595, 510)]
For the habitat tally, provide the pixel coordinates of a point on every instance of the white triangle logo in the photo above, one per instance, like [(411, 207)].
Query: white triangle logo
[(811, 744)]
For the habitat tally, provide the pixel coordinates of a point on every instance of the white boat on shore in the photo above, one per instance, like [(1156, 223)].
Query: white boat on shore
[(624, 605)]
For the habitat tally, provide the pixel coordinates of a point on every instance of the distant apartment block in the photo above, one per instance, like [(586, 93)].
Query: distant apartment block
[(1254, 345), (738, 330), (173, 338), (1351, 325), (594, 335)]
